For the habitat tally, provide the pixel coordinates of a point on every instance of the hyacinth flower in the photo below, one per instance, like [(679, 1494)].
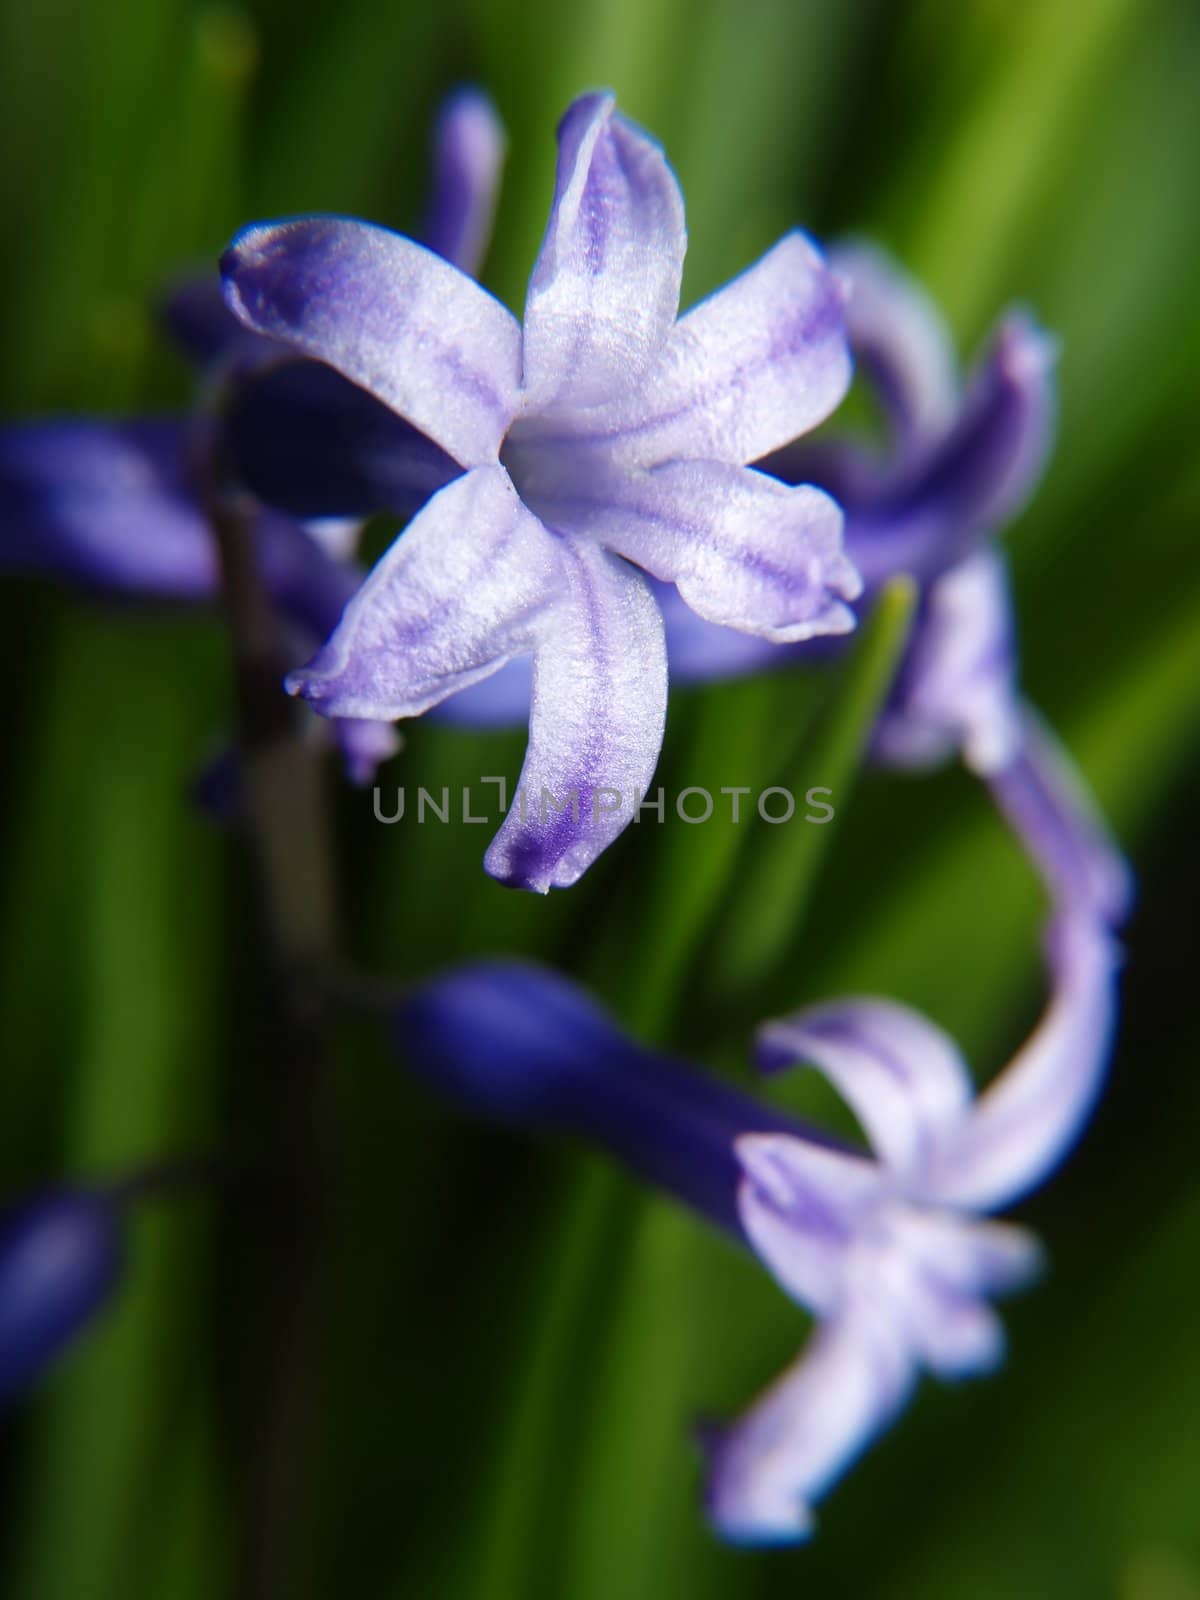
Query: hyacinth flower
[(604, 436), (114, 508), (956, 465), (891, 1249), (61, 1255)]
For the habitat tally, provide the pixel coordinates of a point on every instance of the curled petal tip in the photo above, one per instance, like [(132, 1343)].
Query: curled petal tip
[(1024, 350)]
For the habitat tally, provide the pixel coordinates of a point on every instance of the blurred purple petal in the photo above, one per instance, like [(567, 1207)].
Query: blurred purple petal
[(313, 444), (468, 157), (596, 723), (766, 1472), (107, 505), (198, 319), (956, 691), (903, 1078), (389, 315), (1048, 807), (605, 287), (60, 1259), (1026, 1121)]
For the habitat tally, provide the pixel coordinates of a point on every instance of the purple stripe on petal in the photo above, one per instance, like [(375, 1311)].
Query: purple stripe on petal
[(801, 1206), (389, 315), (459, 593), (742, 374), (743, 550), (605, 287), (596, 725), (468, 156), (903, 1078)]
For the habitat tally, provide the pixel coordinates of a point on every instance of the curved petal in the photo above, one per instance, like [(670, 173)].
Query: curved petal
[(939, 503), (595, 727), (389, 315), (957, 688), (903, 1078), (1028, 1118), (744, 372), (766, 1472), (457, 594), (107, 505), (900, 343), (744, 550), (311, 443), (1043, 797), (468, 156), (605, 287), (801, 1205)]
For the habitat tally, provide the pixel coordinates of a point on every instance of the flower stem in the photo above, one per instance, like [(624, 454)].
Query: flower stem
[(279, 1236)]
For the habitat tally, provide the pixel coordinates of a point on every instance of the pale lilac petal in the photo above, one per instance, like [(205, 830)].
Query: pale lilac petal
[(900, 343), (1042, 794), (967, 1255), (1030, 1115), (456, 596), (801, 1205), (746, 371), (903, 1078), (956, 692), (767, 1470), (468, 156), (744, 550), (605, 287), (596, 723), (389, 315), (953, 1335)]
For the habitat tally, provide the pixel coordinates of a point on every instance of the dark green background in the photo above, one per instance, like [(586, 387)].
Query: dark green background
[(521, 1338)]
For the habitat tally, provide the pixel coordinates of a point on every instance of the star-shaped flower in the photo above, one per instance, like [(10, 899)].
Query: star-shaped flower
[(601, 436)]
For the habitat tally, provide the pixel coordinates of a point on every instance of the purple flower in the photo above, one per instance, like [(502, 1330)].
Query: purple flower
[(60, 1258), (603, 432), (112, 506), (891, 1251)]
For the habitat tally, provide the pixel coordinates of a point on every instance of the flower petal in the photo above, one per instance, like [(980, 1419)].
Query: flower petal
[(389, 315), (106, 505), (744, 550), (312, 443), (468, 155), (605, 287), (1028, 1118), (939, 503), (1042, 794), (767, 1470), (957, 688), (596, 723), (903, 1078), (900, 342), (60, 1260), (801, 1204), (744, 372), (456, 595), (198, 320)]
